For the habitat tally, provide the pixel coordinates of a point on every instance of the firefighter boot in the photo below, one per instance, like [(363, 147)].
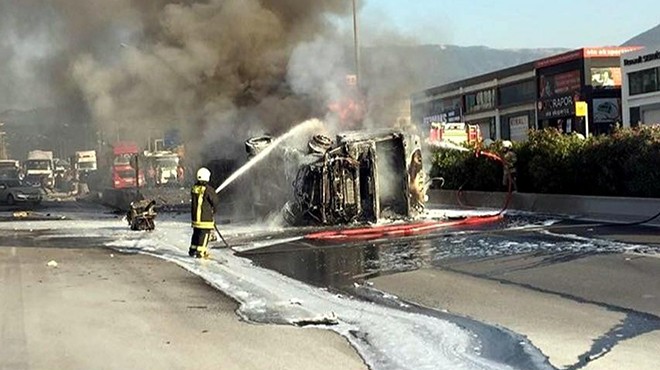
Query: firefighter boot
[(192, 251), (202, 252)]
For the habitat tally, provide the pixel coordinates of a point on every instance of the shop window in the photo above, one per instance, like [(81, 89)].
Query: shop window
[(505, 133), (518, 93), (635, 116), (643, 82)]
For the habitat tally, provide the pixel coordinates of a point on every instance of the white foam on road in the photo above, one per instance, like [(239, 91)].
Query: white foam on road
[(386, 338)]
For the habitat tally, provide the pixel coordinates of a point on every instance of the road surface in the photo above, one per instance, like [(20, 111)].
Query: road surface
[(102, 310), (582, 310)]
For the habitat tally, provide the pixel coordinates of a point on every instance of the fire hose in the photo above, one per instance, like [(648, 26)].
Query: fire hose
[(221, 237), (499, 159), (509, 196), (400, 230)]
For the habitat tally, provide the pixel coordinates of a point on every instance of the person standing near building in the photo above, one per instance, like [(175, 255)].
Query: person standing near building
[(510, 160), (204, 205)]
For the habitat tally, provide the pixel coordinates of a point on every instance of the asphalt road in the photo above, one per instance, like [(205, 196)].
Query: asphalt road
[(102, 310), (98, 309), (584, 311)]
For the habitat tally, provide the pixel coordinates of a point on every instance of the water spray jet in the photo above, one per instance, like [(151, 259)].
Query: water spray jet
[(309, 125)]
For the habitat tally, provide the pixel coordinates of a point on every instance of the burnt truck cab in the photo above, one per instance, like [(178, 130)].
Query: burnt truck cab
[(361, 177)]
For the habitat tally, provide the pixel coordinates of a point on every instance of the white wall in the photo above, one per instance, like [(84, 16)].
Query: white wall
[(649, 103)]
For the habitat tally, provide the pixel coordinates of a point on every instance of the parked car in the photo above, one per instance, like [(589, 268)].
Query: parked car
[(14, 191)]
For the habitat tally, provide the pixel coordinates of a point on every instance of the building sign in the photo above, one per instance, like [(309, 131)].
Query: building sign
[(519, 128), (581, 109), (481, 100), (606, 52), (435, 118), (606, 77), (450, 116), (559, 84), (607, 110), (561, 106), (642, 59), (559, 59)]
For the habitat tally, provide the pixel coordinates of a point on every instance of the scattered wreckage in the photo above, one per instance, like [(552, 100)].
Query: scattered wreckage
[(141, 215)]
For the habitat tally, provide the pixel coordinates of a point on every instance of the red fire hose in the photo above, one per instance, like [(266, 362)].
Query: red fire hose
[(497, 158), (415, 228), (388, 231)]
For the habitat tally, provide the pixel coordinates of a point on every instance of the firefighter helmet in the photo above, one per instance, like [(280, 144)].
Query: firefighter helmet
[(507, 144), (203, 174)]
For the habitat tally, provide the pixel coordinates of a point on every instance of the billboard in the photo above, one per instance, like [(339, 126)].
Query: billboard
[(606, 77), (607, 110), (559, 84)]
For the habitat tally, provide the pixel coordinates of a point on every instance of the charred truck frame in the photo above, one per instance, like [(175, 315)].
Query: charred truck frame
[(363, 177)]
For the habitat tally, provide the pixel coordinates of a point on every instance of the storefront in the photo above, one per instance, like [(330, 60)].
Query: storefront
[(641, 87), (516, 126), (517, 109), (559, 87), (542, 94), (589, 74)]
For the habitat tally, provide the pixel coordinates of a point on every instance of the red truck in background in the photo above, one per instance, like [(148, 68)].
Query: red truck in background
[(123, 172)]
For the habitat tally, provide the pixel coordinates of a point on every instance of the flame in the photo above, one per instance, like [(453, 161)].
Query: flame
[(350, 111)]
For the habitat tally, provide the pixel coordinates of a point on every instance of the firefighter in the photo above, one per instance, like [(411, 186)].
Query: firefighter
[(510, 160), (204, 204)]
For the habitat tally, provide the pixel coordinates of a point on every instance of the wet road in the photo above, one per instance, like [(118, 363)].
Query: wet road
[(587, 295), (540, 280), (339, 265)]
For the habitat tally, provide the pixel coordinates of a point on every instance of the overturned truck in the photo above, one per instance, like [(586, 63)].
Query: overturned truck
[(359, 178)]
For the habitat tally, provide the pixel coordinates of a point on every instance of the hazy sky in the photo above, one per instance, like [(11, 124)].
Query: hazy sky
[(516, 23)]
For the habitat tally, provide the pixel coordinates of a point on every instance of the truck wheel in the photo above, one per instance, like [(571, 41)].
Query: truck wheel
[(10, 200)]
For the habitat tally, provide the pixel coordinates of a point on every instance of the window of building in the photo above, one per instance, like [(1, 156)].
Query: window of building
[(522, 92), (635, 116), (643, 82)]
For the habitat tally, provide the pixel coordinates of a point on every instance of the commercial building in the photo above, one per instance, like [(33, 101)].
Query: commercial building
[(502, 103), (641, 87), (540, 94)]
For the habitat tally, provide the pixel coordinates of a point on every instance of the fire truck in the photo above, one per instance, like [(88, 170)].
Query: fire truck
[(456, 132)]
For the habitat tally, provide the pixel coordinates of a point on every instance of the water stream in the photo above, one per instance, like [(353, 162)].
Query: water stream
[(307, 126)]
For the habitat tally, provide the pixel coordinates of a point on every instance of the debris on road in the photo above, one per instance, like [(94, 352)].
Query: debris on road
[(52, 263)]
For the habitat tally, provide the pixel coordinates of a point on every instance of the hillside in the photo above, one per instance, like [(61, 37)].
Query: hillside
[(432, 65), (647, 38)]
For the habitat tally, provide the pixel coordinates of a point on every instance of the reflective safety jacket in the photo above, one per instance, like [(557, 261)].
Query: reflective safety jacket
[(204, 204)]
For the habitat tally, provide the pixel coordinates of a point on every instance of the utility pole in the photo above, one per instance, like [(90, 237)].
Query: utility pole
[(356, 44)]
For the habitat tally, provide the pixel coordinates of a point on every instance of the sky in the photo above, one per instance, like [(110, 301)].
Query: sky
[(516, 23)]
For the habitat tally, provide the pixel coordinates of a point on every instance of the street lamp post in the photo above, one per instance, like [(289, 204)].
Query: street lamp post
[(356, 44)]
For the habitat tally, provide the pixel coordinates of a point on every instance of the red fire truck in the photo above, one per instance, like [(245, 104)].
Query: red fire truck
[(457, 133)]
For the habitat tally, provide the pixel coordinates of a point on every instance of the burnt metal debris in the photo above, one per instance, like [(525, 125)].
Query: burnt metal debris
[(141, 215), (361, 177)]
